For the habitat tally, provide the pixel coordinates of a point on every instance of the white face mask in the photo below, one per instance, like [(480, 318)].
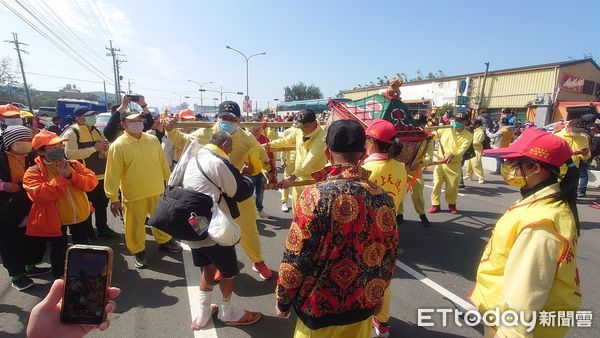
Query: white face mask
[(13, 122), (135, 127)]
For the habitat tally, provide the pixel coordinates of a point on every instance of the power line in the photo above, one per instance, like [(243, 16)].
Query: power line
[(89, 66), (103, 20), (18, 49), (92, 27), (60, 22)]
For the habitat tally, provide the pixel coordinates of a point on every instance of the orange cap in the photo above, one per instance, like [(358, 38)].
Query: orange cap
[(186, 115), (8, 110), (46, 138)]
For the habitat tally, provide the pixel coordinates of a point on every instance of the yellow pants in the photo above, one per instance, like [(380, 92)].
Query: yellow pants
[(474, 166), (285, 194), (134, 216), (416, 195), (250, 238), (449, 174), (384, 314), (355, 330)]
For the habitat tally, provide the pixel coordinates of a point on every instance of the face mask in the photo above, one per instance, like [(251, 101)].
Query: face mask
[(511, 177), (22, 147), (135, 127), (55, 155), (90, 120), (457, 125), (13, 122), (227, 126)]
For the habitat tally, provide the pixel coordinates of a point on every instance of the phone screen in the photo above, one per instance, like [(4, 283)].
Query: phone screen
[(87, 277)]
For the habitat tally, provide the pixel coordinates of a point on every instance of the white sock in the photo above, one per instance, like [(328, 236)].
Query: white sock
[(229, 312), (204, 311)]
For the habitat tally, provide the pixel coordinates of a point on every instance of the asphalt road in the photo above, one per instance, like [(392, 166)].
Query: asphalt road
[(435, 270)]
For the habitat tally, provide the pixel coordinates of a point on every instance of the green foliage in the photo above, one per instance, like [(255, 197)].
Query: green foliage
[(300, 91)]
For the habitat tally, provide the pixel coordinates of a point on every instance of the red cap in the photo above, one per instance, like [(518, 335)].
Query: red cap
[(8, 110), (46, 138), (538, 145), (381, 130), (187, 115)]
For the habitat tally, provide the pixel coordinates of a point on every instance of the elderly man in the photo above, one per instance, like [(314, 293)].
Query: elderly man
[(246, 150), (341, 249), (211, 173), (309, 139), (86, 144)]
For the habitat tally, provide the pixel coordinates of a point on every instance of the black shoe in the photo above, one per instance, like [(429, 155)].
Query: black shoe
[(107, 233), (461, 186), (399, 219), (424, 220), (171, 246), (22, 283), (140, 260), (38, 271)]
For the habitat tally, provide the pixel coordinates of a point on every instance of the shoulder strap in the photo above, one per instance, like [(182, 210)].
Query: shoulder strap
[(206, 176), (76, 133)]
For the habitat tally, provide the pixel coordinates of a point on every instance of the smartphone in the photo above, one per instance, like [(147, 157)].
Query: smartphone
[(88, 272), (134, 98)]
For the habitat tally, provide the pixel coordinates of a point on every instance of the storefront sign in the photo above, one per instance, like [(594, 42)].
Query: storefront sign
[(571, 83), (462, 100)]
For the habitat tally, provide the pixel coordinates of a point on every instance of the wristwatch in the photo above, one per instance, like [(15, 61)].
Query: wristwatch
[(144, 106), (292, 177)]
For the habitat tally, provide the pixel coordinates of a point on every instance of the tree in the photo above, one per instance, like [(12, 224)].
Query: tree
[(340, 93), (300, 91), (8, 77), (447, 107)]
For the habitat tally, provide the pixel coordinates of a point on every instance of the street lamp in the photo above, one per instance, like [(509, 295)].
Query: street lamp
[(221, 92), (201, 84), (247, 60)]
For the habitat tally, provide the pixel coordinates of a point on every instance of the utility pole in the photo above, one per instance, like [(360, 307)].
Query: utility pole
[(18, 49), (105, 96), (487, 67), (119, 62), (115, 67)]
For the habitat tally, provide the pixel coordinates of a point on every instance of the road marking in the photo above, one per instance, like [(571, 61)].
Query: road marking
[(192, 276), (436, 287), (443, 190)]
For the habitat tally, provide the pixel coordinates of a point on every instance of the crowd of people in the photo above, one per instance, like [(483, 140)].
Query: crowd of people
[(342, 244)]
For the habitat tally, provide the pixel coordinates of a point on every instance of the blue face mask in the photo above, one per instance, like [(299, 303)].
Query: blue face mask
[(457, 125), (227, 126)]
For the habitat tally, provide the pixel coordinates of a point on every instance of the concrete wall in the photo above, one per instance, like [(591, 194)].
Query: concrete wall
[(489, 164)]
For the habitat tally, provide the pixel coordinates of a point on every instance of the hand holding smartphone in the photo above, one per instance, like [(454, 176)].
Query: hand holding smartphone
[(88, 273)]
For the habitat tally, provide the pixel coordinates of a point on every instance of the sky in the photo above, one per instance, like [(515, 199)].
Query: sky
[(334, 45)]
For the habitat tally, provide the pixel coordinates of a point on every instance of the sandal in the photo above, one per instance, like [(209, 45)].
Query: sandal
[(247, 319), (213, 308)]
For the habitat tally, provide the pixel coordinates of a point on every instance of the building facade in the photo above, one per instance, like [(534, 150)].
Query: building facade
[(532, 91)]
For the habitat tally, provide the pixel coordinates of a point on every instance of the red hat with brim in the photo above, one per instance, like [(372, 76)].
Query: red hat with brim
[(537, 145), (381, 130), (187, 115)]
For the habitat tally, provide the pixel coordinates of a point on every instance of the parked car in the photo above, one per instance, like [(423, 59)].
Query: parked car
[(102, 120), (47, 111)]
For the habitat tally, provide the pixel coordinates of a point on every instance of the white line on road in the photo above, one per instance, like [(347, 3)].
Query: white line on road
[(436, 287), (192, 276), (443, 190)]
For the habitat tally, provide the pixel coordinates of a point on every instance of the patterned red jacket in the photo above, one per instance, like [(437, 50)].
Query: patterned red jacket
[(341, 250)]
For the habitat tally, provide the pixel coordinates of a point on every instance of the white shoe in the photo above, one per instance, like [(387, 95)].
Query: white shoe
[(481, 181), (285, 208), (262, 215)]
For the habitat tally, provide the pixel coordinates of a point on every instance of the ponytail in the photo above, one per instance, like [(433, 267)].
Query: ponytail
[(393, 148), (568, 190)]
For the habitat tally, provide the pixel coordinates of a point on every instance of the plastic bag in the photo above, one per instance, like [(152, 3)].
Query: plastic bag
[(222, 228)]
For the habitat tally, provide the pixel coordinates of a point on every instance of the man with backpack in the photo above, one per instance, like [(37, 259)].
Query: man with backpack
[(86, 144)]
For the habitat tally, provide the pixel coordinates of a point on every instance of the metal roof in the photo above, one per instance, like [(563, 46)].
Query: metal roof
[(500, 71)]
